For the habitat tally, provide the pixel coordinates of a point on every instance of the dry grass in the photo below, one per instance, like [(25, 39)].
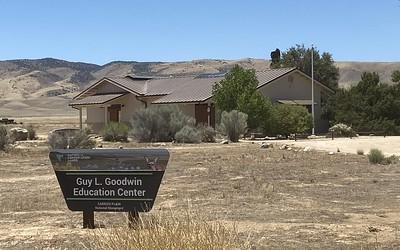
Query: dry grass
[(168, 232)]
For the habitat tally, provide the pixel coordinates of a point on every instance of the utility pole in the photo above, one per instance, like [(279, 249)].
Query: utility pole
[(312, 89)]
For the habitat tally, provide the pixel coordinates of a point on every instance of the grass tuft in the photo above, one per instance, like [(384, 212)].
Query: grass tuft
[(167, 233)]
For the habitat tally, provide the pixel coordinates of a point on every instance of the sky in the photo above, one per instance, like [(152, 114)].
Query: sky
[(98, 31)]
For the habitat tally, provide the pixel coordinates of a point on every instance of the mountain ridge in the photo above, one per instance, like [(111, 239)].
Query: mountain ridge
[(29, 79)]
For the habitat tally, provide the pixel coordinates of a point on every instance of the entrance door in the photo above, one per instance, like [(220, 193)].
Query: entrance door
[(114, 112), (201, 114)]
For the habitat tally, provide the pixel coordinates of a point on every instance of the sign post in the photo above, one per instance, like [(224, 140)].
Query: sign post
[(109, 180)]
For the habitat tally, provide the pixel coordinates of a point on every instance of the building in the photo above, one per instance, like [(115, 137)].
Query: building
[(117, 98)]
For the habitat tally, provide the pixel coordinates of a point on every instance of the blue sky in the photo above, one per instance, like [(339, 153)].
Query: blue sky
[(103, 31)]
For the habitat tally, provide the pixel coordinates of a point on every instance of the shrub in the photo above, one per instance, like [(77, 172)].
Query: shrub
[(390, 160), (4, 138), (233, 124), (19, 134), (292, 119), (76, 139), (115, 131), (342, 130), (360, 152), (208, 133), (168, 233), (188, 134), (376, 156), (159, 123), (31, 132)]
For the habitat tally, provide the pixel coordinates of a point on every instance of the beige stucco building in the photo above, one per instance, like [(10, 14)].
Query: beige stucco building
[(118, 98)]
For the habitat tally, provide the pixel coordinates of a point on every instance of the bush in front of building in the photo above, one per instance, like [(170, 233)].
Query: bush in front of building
[(159, 123), (208, 134), (73, 139), (233, 124), (188, 134), (342, 130), (292, 119), (115, 131)]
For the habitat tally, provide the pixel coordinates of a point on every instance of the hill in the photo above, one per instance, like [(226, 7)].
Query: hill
[(27, 86)]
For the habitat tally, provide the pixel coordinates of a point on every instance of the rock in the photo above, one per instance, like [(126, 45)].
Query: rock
[(225, 142), (19, 134), (307, 149), (289, 149), (266, 145), (331, 153), (283, 147)]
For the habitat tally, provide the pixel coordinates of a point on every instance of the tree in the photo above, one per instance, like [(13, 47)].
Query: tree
[(298, 56), (396, 76), (238, 91), (292, 119), (370, 106)]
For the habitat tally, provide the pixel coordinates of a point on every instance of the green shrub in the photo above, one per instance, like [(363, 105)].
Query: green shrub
[(31, 132), (342, 130), (188, 134), (159, 123), (76, 139), (292, 119), (376, 156), (233, 124), (4, 138), (116, 131), (208, 133), (360, 152)]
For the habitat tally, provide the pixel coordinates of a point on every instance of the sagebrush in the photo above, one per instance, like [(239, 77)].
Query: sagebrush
[(376, 156), (116, 131), (4, 138), (233, 124), (77, 139), (159, 123), (188, 134)]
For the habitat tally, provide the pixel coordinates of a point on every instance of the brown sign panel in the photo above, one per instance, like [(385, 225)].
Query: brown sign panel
[(117, 180)]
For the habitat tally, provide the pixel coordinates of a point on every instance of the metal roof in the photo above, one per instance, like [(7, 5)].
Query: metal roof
[(195, 90), (182, 89), (96, 99), (199, 89)]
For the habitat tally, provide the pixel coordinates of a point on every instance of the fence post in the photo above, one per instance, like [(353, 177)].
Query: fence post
[(88, 219)]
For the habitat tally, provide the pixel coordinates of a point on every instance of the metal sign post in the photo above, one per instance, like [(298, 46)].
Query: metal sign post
[(109, 180)]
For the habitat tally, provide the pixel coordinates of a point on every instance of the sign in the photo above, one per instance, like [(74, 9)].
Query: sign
[(116, 180)]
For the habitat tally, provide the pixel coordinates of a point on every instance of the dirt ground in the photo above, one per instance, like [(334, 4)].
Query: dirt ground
[(390, 145), (278, 199)]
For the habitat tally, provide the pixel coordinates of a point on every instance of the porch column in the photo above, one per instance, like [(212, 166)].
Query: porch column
[(80, 118), (105, 115), (208, 114)]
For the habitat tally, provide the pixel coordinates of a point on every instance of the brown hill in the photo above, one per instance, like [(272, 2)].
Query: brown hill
[(28, 86)]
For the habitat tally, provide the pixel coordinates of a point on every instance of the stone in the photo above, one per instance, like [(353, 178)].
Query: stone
[(266, 145), (225, 142), (19, 134), (331, 153), (283, 147)]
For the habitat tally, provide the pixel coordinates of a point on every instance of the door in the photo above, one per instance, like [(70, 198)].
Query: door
[(203, 113), (114, 112)]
